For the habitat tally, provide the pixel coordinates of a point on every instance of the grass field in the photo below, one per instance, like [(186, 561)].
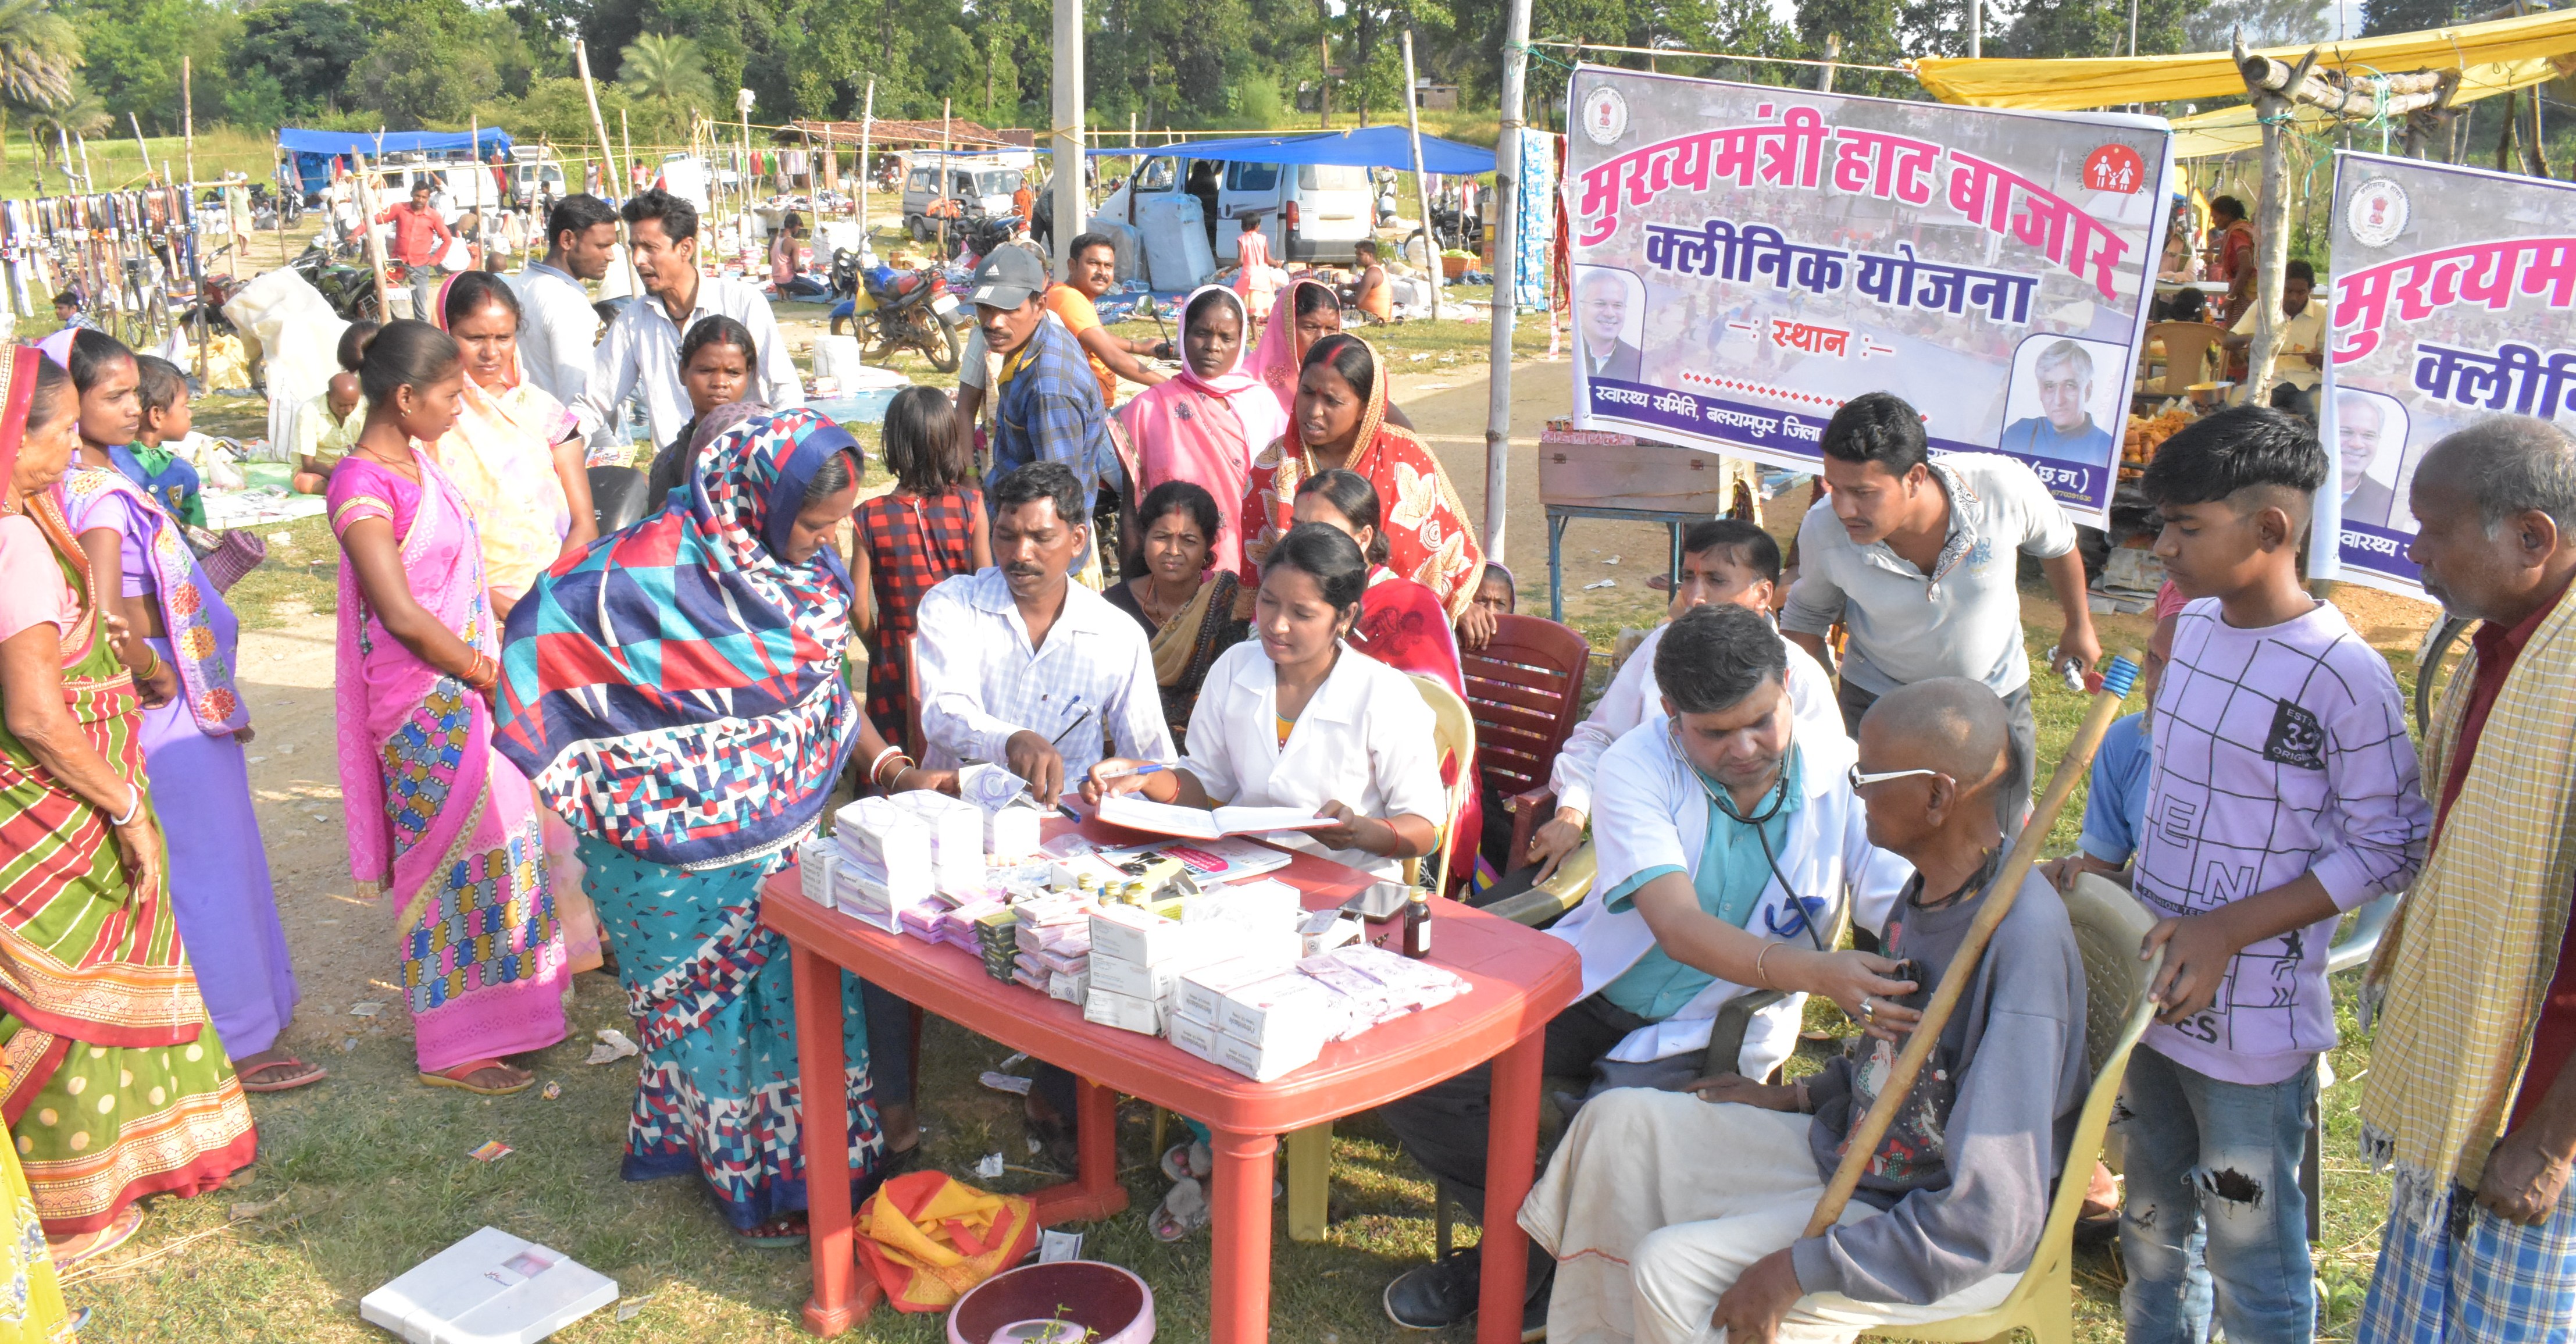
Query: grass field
[(367, 1174)]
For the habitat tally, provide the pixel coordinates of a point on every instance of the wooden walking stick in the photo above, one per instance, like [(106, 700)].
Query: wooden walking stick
[(2109, 685)]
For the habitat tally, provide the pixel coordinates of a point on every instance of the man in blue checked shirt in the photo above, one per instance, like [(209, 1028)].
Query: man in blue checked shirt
[(1047, 404)]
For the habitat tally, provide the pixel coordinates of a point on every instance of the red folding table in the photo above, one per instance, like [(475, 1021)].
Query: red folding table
[(1518, 979)]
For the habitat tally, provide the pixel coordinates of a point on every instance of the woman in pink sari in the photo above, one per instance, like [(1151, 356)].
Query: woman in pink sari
[(1305, 312), (437, 819), (1402, 623), (1204, 426)]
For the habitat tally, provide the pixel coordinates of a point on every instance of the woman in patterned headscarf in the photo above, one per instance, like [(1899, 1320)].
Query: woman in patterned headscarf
[(113, 1084), (1340, 420), (689, 775)]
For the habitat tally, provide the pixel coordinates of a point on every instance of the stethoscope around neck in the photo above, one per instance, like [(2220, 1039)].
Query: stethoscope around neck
[(1776, 799)]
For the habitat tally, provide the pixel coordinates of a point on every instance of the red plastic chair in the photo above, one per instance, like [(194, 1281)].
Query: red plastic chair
[(1525, 689)]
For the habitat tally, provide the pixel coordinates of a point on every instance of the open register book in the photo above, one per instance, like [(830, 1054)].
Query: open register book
[(1166, 819)]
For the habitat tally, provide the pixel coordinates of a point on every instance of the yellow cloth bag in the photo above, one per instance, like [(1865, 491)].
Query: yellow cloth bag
[(928, 1238)]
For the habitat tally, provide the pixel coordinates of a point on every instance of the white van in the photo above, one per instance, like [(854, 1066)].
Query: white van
[(980, 186), (1311, 212)]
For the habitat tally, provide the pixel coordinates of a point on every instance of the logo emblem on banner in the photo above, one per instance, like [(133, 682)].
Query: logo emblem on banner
[(2115, 168), (2378, 212), (1605, 114)]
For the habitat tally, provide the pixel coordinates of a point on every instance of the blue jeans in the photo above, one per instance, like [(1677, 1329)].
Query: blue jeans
[(2213, 1171)]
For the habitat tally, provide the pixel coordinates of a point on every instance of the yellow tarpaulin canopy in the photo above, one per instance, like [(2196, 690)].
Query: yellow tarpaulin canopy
[(2230, 129), (2104, 81)]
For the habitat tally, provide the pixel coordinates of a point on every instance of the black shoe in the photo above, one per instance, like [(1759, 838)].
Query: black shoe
[(1443, 1293), (1437, 1295)]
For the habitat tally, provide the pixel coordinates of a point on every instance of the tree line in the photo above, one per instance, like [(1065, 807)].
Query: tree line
[(1194, 64)]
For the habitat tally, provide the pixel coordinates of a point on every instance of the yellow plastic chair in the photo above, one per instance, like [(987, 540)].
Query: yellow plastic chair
[(2109, 923), (1310, 1150)]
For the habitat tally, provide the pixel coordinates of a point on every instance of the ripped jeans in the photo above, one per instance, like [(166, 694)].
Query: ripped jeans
[(2212, 1172)]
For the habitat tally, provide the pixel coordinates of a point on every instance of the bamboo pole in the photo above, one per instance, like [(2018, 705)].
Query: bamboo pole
[(1898, 1088), (2272, 101), (1506, 310), (1421, 182), (365, 186), (946, 180), (867, 126), (141, 148), (590, 94)]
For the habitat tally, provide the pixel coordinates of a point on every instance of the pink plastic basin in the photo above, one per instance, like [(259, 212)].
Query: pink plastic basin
[(1112, 1302)]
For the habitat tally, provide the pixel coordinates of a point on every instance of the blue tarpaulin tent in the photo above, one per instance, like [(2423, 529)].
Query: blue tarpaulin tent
[(314, 150), (1364, 147)]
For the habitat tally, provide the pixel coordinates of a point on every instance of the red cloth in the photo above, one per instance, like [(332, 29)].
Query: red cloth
[(2235, 250), (1402, 625), (2553, 1035), (418, 234)]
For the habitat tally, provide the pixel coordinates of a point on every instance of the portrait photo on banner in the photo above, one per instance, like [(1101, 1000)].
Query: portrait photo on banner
[(1609, 323), (2372, 464), (2067, 399)]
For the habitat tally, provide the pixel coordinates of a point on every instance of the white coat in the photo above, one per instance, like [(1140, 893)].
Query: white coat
[(1650, 810)]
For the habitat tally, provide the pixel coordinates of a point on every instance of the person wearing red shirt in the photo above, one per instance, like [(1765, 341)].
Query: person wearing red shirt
[(419, 236), (2480, 1243), (2235, 240)]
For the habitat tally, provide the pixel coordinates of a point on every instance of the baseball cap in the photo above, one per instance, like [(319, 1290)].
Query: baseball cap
[(1008, 278)]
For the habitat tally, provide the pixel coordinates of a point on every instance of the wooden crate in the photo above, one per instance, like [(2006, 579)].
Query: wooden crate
[(1653, 478)]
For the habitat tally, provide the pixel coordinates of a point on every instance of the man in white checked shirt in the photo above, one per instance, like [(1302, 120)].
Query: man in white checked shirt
[(1021, 665)]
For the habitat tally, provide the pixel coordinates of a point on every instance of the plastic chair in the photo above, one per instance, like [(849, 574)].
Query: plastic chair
[(1453, 733), (1525, 688), (1309, 1151), (2108, 924), (2186, 350)]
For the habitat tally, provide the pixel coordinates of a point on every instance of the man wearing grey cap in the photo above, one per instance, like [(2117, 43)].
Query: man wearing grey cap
[(1047, 404)]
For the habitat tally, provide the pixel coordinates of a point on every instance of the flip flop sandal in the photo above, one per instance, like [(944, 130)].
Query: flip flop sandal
[(119, 1231), (451, 1078), (784, 1234), (1177, 1165), (313, 1073), (1183, 1211)]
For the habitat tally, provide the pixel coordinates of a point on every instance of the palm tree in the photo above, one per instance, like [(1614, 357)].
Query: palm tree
[(39, 51), (664, 69)]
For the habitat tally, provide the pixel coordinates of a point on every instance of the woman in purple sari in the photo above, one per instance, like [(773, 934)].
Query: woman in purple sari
[(437, 819), (194, 720)]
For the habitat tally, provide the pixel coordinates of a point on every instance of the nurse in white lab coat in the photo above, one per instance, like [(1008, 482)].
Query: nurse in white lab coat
[(1296, 718)]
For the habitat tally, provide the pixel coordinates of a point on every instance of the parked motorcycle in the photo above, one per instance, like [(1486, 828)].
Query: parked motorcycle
[(893, 310), (350, 289)]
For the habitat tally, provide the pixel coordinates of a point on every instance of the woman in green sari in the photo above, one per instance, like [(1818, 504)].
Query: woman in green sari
[(112, 1082)]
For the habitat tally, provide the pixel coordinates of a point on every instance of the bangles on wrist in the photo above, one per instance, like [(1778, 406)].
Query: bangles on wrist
[(483, 673), (1758, 972), (879, 776), (151, 669), (133, 809)]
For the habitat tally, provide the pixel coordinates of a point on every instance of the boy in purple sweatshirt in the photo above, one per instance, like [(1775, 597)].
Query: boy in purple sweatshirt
[(2284, 793)]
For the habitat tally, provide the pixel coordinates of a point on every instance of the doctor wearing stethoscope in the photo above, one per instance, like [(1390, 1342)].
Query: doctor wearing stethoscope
[(1731, 855)]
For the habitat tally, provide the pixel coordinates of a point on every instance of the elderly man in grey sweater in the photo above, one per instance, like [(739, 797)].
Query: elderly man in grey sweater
[(1676, 1216)]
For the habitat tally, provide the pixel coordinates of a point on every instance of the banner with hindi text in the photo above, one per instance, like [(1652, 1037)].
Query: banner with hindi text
[(2454, 300), (1748, 258)]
